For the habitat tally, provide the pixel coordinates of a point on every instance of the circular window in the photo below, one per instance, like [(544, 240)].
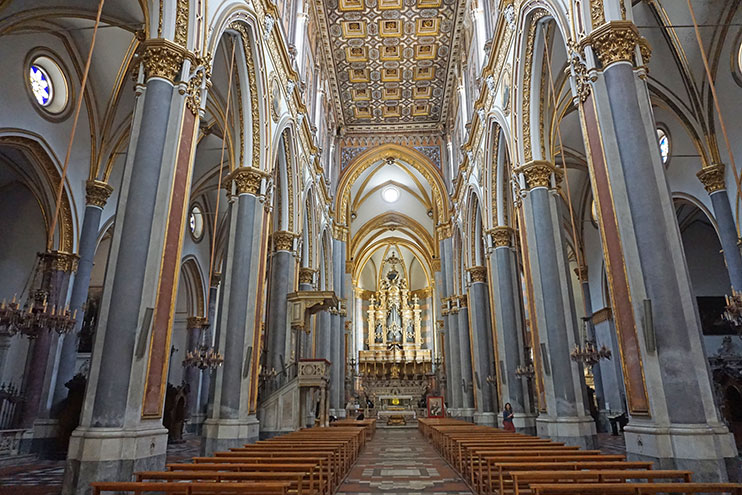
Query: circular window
[(390, 194), (664, 141), (196, 223), (47, 85)]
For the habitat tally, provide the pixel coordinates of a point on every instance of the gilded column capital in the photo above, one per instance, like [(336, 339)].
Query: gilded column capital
[(616, 41), (712, 178), (306, 275), (463, 301), (163, 58), (97, 193), (340, 232), (478, 274), (246, 180), (196, 322), (444, 230), (283, 240), (502, 236), (216, 279), (537, 173)]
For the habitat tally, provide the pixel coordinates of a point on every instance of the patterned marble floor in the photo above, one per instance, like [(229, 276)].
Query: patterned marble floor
[(401, 462)]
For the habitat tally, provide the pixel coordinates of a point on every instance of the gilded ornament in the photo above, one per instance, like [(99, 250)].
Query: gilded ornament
[(478, 274), (196, 322), (247, 180), (712, 178), (306, 275), (537, 173), (199, 81), (181, 22), (163, 58), (616, 41), (581, 272), (597, 13), (283, 240), (58, 261), (463, 301), (502, 236), (97, 193)]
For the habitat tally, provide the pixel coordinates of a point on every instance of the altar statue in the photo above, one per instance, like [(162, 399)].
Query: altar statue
[(378, 333)]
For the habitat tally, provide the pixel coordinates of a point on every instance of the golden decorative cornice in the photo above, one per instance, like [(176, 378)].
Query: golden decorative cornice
[(712, 178), (58, 261), (616, 41), (537, 173), (97, 193), (246, 180), (306, 275), (581, 272), (502, 236), (163, 58), (193, 322), (478, 274)]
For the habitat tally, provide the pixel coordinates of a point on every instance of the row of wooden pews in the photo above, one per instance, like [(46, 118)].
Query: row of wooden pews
[(311, 461), (494, 461)]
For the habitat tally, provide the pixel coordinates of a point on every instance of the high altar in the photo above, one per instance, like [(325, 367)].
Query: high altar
[(395, 367)]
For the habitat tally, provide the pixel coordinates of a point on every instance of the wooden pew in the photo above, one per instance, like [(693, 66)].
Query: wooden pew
[(525, 478), (297, 482), (634, 488), (251, 488)]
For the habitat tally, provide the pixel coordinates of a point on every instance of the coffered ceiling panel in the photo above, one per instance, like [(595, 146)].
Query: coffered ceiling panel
[(392, 60)]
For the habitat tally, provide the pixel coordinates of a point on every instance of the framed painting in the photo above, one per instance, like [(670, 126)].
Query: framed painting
[(436, 408)]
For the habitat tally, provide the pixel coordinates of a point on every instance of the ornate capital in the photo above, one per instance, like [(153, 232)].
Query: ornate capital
[(246, 180), (616, 41), (501, 236), (444, 230), (581, 272), (163, 58), (306, 275), (537, 173), (340, 232), (58, 261), (712, 178), (198, 82), (97, 193), (193, 322), (283, 240), (478, 274), (463, 301)]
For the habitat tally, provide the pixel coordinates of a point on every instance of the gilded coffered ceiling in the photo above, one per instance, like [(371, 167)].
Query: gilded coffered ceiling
[(392, 60)]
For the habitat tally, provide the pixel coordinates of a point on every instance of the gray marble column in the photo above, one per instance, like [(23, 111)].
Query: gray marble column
[(125, 371), (566, 418), (337, 342), (508, 322), (451, 322), (663, 357), (466, 363), (281, 283), (713, 180), (231, 423), (97, 195), (482, 345)]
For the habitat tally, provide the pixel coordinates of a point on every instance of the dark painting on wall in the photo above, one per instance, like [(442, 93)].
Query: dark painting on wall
[(710, 309)]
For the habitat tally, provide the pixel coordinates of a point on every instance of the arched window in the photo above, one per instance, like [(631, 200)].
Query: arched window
[(196, 223), (664, 141)]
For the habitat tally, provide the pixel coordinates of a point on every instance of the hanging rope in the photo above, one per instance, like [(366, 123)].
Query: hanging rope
[(221, 167), (60, 188), (718, 109), (577, 246)]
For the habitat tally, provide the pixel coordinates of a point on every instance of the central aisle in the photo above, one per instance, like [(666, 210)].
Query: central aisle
[(401, 461)]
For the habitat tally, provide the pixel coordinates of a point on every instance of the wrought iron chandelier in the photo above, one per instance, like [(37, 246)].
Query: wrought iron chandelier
[(37, 315), (589, 354), (203, 356)]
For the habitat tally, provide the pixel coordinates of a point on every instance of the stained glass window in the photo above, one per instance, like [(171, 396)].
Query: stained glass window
[(664, 142), (41, 85)]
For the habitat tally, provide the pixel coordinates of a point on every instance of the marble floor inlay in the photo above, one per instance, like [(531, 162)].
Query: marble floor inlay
[(401, 462)]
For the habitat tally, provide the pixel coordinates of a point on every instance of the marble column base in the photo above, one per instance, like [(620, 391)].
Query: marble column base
[(485, 418), (572, 430), (44, 442), (223, 434), (707, 450), (467, 413), (604, 424), (523, 422), (338, 413), (195, 424), (112, 454)]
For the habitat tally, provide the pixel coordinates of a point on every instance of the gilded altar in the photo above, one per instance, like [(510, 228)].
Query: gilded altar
[(394, 346)]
